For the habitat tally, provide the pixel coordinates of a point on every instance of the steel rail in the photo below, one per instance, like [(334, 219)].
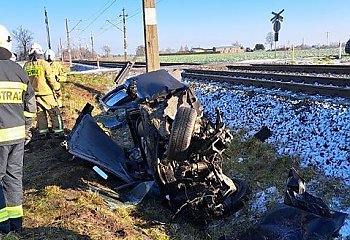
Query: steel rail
[(271, 84), (318, 69), (340, 82), (118, 64)]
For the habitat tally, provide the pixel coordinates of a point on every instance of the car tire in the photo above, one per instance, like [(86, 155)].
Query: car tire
[(181, 133)]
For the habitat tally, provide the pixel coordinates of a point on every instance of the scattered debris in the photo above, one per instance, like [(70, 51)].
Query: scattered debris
[(302, 216), (263, 134)]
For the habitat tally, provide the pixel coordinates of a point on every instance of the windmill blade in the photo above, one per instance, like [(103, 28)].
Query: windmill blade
[(280, 12)]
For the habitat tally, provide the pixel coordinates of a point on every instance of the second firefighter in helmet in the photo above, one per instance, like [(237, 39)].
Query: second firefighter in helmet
[(47, 89), (57, 69)]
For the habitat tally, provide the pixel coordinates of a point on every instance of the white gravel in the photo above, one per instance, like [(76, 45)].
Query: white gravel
[(314, 129)]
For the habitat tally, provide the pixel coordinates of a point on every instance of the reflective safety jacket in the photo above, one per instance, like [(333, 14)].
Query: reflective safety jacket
[(17, 101), (58, 71), (41, 77)]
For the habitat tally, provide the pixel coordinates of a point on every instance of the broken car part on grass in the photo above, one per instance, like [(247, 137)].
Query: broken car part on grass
[(174, 144), (301, 216)]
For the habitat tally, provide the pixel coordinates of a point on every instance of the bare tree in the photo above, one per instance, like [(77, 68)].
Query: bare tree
[(107, 50), (269, 39), (236, 44), (140, 50), (181, 49), (24, 38), (186, 49)]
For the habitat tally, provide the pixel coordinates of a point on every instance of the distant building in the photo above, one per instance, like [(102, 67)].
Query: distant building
[(202, 50), (228, 49)]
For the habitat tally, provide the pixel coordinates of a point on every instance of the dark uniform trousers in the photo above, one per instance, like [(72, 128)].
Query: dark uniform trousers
[(11, 194)]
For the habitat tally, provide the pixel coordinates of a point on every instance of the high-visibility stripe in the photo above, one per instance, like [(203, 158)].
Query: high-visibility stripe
[(60, 124), (29, 114), (4, 216), (15, 212), (43, 93), (34, 71), (13, 85), (8, 95), (41, 131), (14, 133), (58, 130)]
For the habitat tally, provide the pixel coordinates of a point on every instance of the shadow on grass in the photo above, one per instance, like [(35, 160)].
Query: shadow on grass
[(89, 89), (157, 215), (47, 233), (44, 233)]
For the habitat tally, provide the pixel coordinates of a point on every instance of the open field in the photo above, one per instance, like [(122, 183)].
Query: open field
[(316, 56)]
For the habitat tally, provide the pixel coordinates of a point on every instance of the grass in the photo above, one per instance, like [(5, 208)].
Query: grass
[(258, 163), (56, 208), (234, 57)]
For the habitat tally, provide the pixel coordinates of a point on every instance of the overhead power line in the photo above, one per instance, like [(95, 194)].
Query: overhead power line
[(98, 16)]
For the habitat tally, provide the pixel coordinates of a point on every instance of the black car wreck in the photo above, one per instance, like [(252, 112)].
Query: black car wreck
[(174, 144)]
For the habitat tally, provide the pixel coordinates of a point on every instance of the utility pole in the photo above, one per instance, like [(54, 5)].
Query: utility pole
[(61, 52), (68, 41), (327, 37), (68, 44), (124, 31), (151, 35), (47, 28), (92, 45)]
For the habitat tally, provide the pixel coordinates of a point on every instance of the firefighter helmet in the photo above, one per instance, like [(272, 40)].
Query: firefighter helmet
[(5, 42), (36, 48), (49, 55)]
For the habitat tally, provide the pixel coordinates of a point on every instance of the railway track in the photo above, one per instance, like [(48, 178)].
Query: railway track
[(329, 86), (114, 64), (318, 69)]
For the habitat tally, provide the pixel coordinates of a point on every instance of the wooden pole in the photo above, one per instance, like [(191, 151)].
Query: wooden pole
[(151, 35)]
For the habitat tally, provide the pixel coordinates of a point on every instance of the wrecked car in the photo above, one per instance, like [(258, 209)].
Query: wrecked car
[(175, 144)]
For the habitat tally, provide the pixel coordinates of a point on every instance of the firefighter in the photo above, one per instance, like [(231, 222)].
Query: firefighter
[(17, 102), (47, 89), (58, 70)]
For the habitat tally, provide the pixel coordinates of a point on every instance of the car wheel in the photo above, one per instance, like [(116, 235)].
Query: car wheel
[(181, 133)]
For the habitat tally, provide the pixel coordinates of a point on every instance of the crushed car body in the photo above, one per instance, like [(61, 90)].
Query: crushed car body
[(174, 144)]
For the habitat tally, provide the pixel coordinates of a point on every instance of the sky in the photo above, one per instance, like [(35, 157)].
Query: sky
[(191, 23)]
